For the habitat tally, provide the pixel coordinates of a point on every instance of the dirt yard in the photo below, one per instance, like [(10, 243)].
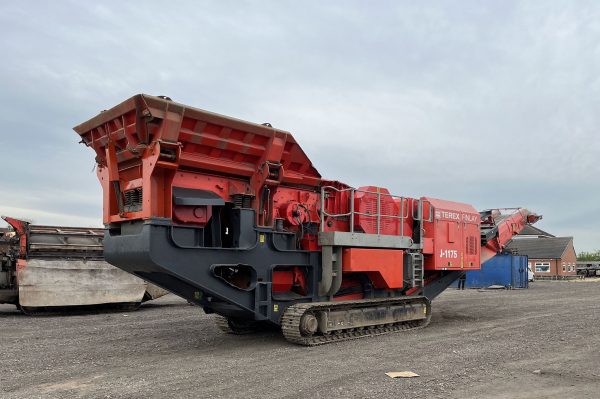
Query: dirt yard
[(538, 343)]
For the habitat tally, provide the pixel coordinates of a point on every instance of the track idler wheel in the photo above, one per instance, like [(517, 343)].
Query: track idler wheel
[(308, 324)]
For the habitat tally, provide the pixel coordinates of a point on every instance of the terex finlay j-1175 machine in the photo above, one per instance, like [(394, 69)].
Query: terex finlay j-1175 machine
[(233, 217)]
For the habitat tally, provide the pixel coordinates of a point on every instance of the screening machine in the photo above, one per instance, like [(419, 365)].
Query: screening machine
[(57, 267)]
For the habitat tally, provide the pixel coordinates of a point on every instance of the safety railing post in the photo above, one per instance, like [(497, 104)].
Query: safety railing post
[(420, 212), (352, 210), (378, 210), (322, 208), (401, 213)]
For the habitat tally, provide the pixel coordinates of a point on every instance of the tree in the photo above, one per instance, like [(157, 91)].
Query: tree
[(589, 256)]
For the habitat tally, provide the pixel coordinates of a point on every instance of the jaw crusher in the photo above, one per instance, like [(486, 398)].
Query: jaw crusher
[(234, 217)]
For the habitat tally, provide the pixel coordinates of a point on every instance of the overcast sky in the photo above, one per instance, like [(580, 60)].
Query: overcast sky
[(496, 104)]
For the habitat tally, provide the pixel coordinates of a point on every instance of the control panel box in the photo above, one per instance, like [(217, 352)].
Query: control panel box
[(451, 235)]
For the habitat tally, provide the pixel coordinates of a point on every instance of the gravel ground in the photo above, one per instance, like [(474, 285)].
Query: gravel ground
[(538, 343)]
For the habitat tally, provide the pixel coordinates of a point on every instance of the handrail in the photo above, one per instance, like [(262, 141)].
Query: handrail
[(403, 213)]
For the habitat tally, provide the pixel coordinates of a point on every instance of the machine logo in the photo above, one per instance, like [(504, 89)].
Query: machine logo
[(447, 215), (440, 214), (470, 218)]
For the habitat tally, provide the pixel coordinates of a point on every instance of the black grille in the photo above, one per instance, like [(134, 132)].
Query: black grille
[(133, 200), (471, 245), (242, 200)]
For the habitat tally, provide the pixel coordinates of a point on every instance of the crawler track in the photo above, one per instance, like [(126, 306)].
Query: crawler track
[(290, 321)]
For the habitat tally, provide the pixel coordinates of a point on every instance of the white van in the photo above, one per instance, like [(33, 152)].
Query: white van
[(530, 274)]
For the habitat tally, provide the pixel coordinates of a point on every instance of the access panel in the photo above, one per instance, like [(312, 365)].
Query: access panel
[(451, 230)]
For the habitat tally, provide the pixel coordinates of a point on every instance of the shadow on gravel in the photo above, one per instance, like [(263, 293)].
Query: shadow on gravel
[(230, 343), (84, 310), (9, 311), (445, 318), (152, 306)]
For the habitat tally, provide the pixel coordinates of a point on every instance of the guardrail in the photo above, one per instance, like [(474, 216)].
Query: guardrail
[(403, 213)]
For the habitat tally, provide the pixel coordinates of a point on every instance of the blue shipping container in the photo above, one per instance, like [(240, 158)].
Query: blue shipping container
[(507, 270)]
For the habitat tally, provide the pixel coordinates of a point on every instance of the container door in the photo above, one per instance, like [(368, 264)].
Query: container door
[(519, 272), (525, 266)]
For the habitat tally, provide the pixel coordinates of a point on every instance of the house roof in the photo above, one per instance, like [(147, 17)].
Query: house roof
[(530, 230), (540, 248)]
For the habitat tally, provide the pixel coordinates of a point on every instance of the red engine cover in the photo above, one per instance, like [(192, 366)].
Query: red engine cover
[(365, 203)]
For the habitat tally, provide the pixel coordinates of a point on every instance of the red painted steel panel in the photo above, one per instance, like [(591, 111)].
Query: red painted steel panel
[(149, 139), (452, 229), (385, 267), (282, 280)]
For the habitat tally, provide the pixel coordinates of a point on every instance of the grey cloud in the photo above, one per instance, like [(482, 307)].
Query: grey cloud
[(495, 104)]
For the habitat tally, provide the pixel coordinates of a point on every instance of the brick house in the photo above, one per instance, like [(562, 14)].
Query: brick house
[(552, 257)]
